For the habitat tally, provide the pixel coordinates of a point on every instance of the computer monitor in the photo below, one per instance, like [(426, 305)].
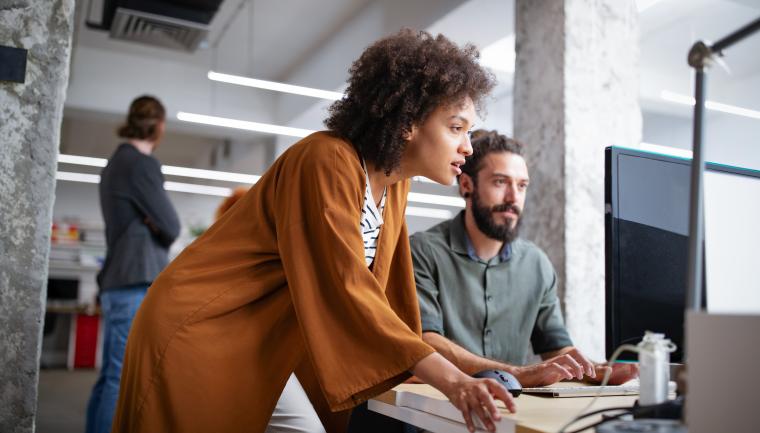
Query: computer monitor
[(646, 235)]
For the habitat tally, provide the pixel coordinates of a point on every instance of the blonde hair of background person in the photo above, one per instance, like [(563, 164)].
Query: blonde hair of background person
[(228, 202)]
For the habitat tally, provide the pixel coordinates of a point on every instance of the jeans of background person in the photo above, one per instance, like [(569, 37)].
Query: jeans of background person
[(118, 307)]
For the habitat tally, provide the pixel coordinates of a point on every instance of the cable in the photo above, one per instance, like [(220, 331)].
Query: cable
[(606, 379), (612, 418)]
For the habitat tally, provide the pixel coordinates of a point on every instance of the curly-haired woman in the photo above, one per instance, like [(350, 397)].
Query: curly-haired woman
[(311, 272)]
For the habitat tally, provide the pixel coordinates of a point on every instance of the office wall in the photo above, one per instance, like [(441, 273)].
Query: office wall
[(729, 139)]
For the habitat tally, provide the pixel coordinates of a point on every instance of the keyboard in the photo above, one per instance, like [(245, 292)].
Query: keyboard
[(578, 389)]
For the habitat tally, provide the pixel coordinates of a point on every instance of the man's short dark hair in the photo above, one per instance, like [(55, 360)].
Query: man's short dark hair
[(396, 83), (486, 142)]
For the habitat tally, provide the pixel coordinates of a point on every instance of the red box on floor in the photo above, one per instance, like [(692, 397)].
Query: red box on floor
[(86, 340)]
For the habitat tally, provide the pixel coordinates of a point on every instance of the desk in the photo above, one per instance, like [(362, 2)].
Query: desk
[(534, 414)]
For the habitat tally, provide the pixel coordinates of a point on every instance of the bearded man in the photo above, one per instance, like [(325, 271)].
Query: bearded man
[(487, 297)]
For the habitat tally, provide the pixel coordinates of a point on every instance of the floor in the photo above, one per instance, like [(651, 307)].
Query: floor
[(62, 400)]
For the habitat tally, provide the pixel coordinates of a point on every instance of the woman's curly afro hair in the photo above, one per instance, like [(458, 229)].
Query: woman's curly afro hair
[(396, 83)]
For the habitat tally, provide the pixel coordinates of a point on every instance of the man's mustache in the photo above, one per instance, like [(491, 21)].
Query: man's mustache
[(506, 207)]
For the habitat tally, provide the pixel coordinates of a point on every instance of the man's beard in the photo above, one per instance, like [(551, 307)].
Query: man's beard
[(484, 219)]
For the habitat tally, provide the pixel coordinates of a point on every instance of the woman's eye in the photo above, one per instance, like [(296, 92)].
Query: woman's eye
[(456, 128)]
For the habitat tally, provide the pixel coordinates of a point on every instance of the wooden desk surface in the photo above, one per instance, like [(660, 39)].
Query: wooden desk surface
[(534, 414)]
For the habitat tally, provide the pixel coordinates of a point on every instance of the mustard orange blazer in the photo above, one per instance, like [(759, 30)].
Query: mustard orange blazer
[(277, 285)]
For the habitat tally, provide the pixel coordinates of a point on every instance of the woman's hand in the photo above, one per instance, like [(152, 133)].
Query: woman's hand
[(477, 396), (468, 394)]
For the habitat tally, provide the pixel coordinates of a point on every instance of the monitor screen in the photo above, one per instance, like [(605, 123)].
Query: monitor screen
[(646, 235)]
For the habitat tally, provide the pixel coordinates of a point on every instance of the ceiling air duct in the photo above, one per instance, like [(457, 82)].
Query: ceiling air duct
[(176, 24)]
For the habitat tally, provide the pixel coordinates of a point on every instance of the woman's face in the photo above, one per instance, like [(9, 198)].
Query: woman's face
[(437, 147)]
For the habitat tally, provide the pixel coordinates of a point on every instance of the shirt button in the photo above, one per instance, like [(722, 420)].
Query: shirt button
[(488, 332), (489, 298)]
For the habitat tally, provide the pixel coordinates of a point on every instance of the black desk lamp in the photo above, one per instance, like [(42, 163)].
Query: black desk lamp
[(701, 57)]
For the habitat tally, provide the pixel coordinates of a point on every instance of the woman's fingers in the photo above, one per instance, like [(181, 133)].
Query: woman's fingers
[(500, 393)]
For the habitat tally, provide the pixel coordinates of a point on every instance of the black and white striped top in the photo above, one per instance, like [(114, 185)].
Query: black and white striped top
[(371, 220)]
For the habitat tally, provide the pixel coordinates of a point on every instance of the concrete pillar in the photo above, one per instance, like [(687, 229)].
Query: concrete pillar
[(30, 121), (576, 92)]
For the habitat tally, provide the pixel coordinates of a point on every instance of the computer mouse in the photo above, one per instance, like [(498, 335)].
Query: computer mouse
[(505, 379)]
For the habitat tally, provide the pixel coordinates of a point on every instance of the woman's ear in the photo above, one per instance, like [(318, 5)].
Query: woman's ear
[(410, 133)]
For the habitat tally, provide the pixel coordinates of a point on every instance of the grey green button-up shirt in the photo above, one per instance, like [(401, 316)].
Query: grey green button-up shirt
[(493, 308)]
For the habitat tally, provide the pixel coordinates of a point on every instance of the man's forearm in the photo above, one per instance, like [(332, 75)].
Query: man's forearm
[(555, 353), (461, 357)]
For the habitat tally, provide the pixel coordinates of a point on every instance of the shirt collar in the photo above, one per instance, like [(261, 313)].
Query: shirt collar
[(460, 242)]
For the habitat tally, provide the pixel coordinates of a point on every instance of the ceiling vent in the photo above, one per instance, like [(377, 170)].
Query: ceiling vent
[(175, 24), (152, 29)]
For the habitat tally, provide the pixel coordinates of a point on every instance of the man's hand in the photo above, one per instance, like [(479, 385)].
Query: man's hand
[(568, 364), (620, 373)]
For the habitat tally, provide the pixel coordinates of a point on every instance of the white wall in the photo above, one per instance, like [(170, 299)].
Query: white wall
[(728, 139)]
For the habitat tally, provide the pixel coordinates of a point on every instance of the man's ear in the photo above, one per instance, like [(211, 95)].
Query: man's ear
[(466, 185)]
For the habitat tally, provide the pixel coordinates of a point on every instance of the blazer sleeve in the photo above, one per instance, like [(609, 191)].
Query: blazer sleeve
[(356, 343), (153, 203)]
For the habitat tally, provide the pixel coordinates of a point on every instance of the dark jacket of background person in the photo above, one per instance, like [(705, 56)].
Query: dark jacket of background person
[(141, 223)]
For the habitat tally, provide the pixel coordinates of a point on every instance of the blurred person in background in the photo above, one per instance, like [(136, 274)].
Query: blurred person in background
[(141, 224)]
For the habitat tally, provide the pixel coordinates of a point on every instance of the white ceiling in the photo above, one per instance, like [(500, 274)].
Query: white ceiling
[(314, 42), (671, 27), (262, 38)]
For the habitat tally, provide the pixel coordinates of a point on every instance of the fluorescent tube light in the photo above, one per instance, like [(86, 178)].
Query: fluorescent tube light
[(197, 189), (169, 186), (171, 170), (710, 105), (445, 200), (77, 177), (273, 85), (82, 160), (209, 174), (242, 124), (427, 212)]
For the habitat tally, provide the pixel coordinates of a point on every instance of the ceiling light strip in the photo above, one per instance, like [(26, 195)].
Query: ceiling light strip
[(273, 85), (210, 174), (710, 105), (427, 212), (197, 189), (169, 186), (77, 177), (242, 124), (444, 200), (171, 170), (226, 192)]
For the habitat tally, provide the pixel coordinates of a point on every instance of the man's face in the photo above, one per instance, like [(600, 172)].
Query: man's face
[(498, 195)]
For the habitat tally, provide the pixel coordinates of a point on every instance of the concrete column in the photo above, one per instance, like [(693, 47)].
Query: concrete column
[(30, 121), (576, 92)]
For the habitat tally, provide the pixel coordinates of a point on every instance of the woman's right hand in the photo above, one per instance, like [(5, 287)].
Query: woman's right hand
[(466, 393), (478, 396)]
